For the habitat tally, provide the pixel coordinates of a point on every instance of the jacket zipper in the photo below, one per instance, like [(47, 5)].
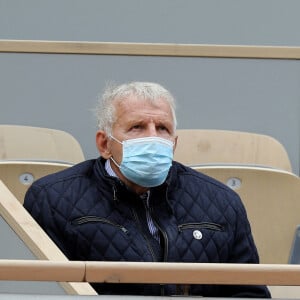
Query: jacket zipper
[(145, 237), (90, 219), (201, 225), (163, 233), (166, 241)]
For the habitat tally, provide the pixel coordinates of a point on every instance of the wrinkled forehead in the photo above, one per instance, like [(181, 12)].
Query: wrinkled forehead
[(133, 102), (130, 96)]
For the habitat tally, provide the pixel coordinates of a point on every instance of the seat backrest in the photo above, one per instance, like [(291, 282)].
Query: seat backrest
[(272, 201), (18, 175), (35, 238), (208, 146), (36, 143)]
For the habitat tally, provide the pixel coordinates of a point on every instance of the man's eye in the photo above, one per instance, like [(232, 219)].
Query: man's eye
[(162, 128)]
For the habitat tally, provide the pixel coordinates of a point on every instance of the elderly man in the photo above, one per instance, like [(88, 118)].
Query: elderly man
[(134, 203)]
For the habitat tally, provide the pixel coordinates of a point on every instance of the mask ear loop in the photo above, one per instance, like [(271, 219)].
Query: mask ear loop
[(113, 138), (111, 158)]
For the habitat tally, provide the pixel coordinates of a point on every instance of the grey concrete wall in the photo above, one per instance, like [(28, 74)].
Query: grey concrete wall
[(250, 22), (253, 95), (59, 91)]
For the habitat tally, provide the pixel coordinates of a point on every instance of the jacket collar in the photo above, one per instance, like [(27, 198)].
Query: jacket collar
[(119, 188)]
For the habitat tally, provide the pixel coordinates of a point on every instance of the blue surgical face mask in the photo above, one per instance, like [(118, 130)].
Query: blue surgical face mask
[(146, 161)]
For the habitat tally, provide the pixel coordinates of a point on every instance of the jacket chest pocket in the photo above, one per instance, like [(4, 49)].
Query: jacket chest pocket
[(86, 220), (202, 242), (98, 238)]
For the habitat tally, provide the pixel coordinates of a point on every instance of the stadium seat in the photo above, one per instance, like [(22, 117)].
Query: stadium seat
[(37, 143), (271, 198), (208, 146), (18, 175)]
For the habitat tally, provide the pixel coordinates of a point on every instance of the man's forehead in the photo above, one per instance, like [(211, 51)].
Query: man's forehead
[(135, 101)]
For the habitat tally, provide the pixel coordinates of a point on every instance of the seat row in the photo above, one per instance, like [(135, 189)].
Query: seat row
[(28, 153)]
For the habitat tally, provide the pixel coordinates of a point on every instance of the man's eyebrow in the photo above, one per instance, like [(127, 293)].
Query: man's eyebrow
[(134, 121), (164, 122)]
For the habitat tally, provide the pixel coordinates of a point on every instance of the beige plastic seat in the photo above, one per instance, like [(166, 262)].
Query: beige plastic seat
[(272, 201), (28, 153), (35, 238), (35, 143), (208, 146), (19, 175)]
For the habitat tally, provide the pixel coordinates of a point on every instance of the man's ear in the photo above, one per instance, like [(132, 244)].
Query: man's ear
[(102, 143)]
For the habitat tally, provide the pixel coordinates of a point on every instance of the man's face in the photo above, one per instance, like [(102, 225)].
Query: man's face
[(136, 119)]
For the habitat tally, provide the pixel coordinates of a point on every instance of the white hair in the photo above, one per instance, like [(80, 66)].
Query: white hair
[(149, 91)]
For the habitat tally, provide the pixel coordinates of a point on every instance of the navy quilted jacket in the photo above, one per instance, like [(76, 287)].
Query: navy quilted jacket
[(92, 216)]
